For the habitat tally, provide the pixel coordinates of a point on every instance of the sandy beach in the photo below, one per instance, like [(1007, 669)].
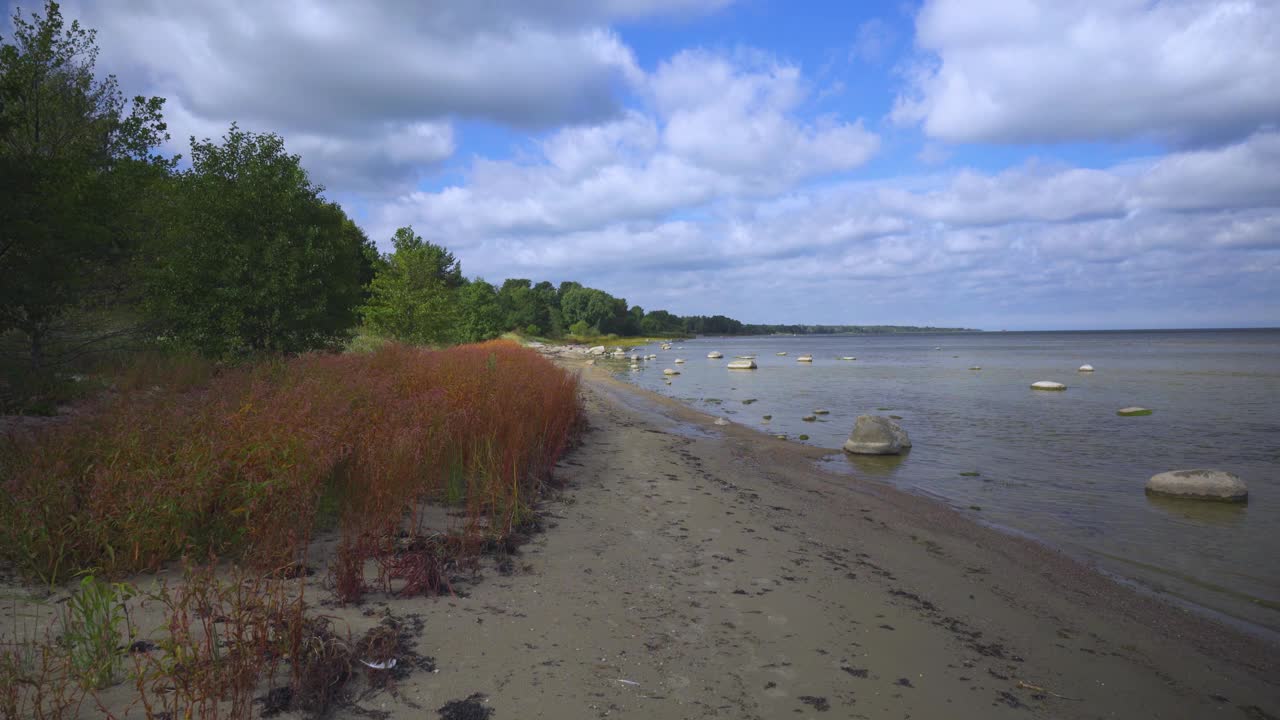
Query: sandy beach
[(691, 570)]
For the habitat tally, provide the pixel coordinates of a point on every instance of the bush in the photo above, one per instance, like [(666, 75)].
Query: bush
[(243, 464)]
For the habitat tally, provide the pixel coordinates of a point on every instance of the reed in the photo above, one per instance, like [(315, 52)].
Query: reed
[(246, 464)]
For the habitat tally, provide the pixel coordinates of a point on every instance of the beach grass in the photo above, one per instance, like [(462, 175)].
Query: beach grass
[(240, 465)]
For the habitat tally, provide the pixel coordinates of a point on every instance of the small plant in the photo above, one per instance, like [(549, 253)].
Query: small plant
[(91, 630)]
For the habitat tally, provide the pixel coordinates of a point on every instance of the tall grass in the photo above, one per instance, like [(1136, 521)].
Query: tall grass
[(243, 462)]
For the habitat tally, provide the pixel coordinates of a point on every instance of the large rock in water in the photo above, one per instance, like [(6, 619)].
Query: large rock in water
[(1047, 385), (1199, 485), (741, 365), (876, 435), (597, 350)]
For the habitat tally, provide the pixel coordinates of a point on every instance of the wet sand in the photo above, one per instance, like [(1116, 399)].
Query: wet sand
[(694, 571)]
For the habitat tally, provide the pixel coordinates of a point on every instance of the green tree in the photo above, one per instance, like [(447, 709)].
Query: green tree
[(414, 298), (600, 310), (257, 260), (519, 307), (77, 167), (481, 317)]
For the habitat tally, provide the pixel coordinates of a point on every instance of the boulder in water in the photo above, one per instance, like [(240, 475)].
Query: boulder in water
[(721, 421), (1047, 385), (1199, 485), (1133, 412), (784, 352), (597, 350), (805, 358), (1086, 368), (848, 357), (976, 367), (742, 365), (810, 418), (715, 354), (821, 411), (679, 361), (876, 435), (670, 371)]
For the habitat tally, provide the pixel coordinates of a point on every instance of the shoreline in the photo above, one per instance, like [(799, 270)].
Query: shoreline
[(695, 570), (1078, 556)]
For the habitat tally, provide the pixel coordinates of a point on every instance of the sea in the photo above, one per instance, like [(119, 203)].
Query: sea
[(1060, 467)]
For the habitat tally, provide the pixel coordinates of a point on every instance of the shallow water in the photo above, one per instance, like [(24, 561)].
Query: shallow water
[(1061, 466)]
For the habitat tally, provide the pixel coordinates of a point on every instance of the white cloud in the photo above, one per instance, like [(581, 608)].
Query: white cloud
[(1053, 246), (369, 90), (718, 130), (1185, 71)]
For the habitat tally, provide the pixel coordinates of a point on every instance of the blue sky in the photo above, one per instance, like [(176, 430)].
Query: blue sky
[(1019, 164)]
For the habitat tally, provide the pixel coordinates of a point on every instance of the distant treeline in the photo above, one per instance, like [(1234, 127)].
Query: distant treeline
[(846, 329)]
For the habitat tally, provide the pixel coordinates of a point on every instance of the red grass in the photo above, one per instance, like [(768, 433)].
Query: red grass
[(247, 463)]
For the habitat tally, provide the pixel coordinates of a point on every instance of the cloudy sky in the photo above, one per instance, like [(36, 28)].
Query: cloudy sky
[(1015, 164)]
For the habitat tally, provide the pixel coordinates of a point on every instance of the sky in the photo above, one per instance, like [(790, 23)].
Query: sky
[(998, 164)]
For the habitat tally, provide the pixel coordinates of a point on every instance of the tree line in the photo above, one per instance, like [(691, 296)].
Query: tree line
[(105, 241)]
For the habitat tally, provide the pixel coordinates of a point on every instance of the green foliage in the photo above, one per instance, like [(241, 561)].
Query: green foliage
[(77, 176), (91, 630), (414, 296), (256, 261), (598, 309), (580, 329), (480, 314)]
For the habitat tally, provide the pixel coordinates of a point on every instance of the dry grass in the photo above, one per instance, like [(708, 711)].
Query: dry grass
[(246, 464)]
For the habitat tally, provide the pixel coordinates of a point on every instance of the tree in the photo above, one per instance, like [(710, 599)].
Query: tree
[(414, 296), (76, 164), (480, 315), (519, 307), (257, 260), (600, 310)]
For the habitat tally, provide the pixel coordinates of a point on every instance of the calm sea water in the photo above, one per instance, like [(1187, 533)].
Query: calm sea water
[(1062, 467)]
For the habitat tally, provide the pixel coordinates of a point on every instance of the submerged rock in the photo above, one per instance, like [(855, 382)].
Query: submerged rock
[(1086, 368), (876, 435), (679, 361), (1047, 385), (976, 367), (1133, 412), (1199, 485), (784, 352), (848, 357), (810, 418), (821, 411), (670, 371), (742, 365), (721, 421), (805, 358)]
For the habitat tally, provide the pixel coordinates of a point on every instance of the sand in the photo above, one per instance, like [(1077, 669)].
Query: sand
[(690, 570), (700, 571)]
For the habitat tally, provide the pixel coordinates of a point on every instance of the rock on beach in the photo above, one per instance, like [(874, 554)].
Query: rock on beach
[(1216, 485), (876, 435)]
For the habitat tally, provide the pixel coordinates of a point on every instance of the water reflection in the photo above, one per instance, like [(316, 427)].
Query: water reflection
[(1200, 512)]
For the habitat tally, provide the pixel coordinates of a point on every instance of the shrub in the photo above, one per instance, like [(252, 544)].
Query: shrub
[(242, 465)]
